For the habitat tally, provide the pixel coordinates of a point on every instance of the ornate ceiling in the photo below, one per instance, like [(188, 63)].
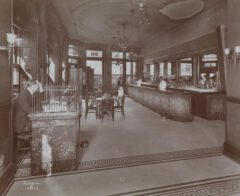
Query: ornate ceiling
[(98, 21)]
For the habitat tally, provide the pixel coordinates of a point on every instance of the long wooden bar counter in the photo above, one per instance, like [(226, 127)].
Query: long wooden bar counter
[(171, 104), (180, 104)]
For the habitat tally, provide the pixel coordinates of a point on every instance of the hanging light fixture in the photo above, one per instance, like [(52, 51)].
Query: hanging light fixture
[(19, 42), (123, 41), (11, 38), (142, 12)]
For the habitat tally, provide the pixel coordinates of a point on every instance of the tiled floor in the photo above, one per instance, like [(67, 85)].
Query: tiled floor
[(144, 132), (215, 175), (142, 137), (142, 152)]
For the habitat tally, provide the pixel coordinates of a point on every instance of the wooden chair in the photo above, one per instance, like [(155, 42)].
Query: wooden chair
[(107, 108), (119, 105), (23, 142), (91, 105)]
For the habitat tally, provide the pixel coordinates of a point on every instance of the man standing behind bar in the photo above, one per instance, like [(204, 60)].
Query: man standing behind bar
[(23, 107), (163, 84)]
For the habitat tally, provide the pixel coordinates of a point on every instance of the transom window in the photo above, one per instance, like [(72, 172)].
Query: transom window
[(72, 50), (117, 55), (209, 60), (94, 53), (209, 57)]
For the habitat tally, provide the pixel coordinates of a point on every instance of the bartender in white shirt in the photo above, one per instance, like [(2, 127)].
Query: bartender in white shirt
[(163, 84)]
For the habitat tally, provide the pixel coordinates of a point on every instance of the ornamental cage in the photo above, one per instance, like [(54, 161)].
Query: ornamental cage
[(57, 99)]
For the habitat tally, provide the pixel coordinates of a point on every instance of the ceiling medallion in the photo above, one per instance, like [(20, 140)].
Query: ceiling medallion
[(182, 9)]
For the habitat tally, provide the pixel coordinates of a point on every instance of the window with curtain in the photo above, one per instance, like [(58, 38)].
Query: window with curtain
[(51, 69), (63, 71)]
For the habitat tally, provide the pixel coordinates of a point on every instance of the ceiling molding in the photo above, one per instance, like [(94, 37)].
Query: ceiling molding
[(182, 9), (97, 21)]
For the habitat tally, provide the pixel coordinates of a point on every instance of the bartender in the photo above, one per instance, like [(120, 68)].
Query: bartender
[(163, 84), (23, 107)]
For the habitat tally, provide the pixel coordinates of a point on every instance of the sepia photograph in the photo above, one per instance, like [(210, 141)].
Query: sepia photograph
[(119, 97)]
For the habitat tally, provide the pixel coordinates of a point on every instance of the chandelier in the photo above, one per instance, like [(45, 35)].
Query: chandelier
[(132, 55), (142, 12), (121, 39), (123, 42)]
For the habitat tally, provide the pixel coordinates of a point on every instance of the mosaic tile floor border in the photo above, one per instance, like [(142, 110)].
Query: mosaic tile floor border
[(24, 169), (150, 158), (224, 186)]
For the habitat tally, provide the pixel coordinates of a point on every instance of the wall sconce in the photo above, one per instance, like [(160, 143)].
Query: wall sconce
[(19, 42), (14, 41), (11, 38), (233, 54)]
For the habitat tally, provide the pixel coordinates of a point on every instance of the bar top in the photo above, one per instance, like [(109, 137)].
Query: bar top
[(179, 90), (155, 88)]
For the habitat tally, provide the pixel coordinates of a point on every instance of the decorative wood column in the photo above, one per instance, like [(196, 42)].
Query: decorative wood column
[(42, 41), (232, 144), (139, 67), (176, 69), (156, 70), (221, 36), (165, 69), (131, 72), (124, 67), (196, 69), (107, 70)]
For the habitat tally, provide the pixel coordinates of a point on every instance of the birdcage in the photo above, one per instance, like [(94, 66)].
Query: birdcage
[(57, 99)]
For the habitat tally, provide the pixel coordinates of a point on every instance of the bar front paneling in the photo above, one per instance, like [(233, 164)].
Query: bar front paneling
[(171, 104)]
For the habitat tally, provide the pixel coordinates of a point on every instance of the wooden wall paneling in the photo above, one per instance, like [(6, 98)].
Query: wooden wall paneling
[(221, 36), (232, 145), (6, 147), (6, 144)]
